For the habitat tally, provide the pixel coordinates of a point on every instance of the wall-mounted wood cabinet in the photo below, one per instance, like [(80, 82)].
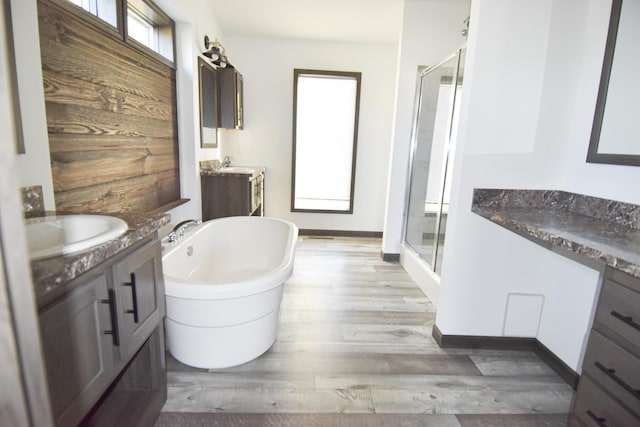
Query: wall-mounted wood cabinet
[(220, 97), (230, 98)]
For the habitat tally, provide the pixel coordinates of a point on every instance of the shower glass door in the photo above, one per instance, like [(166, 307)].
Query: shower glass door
[(434, 130)]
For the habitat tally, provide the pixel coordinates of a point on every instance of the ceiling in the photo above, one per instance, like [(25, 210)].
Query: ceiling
[(359, 21)]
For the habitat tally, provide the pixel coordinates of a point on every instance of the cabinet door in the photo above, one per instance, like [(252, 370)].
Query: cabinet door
[(78, 349), (225, 195), (139, 285), (230, 97), (208, 95)]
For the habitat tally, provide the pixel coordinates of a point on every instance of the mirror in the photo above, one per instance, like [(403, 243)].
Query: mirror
[(613, 138), (13, 89), (208, 104)]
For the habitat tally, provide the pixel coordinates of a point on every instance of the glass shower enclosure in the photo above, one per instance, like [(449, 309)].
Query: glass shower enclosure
[(438, 93)]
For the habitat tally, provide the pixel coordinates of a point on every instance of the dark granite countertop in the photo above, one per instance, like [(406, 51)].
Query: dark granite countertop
[(206, 168), (50, 275), (599, 229)]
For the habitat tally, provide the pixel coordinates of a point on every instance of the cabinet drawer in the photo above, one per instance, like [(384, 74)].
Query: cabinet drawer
[(594, 407), (619, 310), (615, 369)]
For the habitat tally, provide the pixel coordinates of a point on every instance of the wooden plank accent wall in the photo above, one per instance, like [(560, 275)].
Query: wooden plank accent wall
[(111, 118)]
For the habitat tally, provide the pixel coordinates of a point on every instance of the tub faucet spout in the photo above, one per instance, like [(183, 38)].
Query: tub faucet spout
[(182, 226)]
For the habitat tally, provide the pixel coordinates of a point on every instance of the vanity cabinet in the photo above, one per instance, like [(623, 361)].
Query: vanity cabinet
[(230, 87), (609, 389), (103, 343), (227, 194)]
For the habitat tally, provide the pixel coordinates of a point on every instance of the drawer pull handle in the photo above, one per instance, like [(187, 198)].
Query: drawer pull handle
[(602, 422), (134, 297), (113, 311), (626, 319), (611, 373)]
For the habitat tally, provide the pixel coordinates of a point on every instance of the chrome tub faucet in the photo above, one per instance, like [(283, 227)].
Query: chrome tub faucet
[(179, 229)]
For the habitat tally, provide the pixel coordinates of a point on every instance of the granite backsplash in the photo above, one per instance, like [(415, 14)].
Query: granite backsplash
[(32, 201)]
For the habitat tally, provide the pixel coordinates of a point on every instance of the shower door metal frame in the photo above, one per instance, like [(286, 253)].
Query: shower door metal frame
[(417, 109)]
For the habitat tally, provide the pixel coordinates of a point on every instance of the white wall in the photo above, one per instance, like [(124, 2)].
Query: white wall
[(33, 166), (266, 140), (430, 31), (526, 117)]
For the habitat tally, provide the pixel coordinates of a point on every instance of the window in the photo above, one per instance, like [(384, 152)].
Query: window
[(141, 29), (150, 27), (325, 130), (106, 10), (147, 27)]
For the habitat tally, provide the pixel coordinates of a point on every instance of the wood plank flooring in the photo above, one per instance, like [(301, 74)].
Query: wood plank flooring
[(355, 348)]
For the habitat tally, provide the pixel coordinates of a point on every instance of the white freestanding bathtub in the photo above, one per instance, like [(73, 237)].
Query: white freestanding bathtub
[(223, 284)]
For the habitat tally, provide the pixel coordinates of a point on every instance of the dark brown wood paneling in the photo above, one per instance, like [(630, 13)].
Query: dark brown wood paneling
[(121, 196), (111, 117), (64, 89), (80, 143)]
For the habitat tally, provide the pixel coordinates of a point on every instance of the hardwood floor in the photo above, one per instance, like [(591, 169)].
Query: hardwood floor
[(355, 348)]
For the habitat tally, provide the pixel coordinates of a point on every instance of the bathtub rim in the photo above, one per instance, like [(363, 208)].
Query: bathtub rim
[(200, 289)]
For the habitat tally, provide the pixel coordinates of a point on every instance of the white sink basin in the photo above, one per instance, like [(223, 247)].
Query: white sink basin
[(238, 169), (50, 236)]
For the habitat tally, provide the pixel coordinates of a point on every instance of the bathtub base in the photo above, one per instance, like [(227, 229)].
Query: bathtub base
[(222, 347), (224, 282)]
